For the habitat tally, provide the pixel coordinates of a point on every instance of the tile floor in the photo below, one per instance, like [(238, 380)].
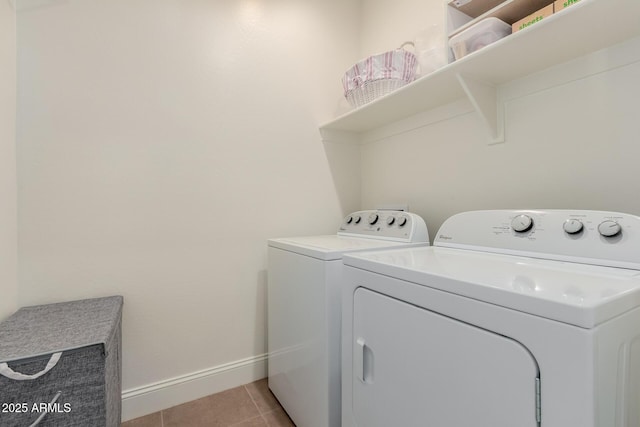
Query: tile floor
[(250, 405)]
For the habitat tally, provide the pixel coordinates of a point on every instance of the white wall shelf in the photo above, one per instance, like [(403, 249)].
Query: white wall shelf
[(583, 28)]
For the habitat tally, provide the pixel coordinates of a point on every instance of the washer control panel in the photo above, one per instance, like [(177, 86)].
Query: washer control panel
[(592, 237), (385, 225)]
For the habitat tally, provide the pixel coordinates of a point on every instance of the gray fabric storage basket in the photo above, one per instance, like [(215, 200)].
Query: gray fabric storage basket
[(87, 376)]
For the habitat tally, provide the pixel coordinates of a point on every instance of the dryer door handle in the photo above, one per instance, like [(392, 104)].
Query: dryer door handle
[(363, 361)]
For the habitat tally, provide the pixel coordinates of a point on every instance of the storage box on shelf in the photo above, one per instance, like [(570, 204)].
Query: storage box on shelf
[(534, 18), (478, 36), (518, 14), (508, 11), (562, 4)]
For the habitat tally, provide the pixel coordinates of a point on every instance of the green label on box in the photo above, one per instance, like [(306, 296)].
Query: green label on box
[(534, 20)]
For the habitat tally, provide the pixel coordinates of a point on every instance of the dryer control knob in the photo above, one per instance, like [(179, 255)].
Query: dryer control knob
[(402, 221), (609, 228), (391, 220), (572, 226), (521, 223), (356, 219), (348, 219), (373, 218)]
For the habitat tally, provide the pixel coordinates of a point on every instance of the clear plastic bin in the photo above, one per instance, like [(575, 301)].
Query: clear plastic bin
[(478, 36)]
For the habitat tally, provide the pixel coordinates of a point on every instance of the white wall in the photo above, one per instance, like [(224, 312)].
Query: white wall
[(161, 142), (571, 142), (386, 25), (8, 239)]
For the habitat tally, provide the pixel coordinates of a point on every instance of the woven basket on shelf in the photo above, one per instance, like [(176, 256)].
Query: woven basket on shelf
[(379, 75), (372, 89)]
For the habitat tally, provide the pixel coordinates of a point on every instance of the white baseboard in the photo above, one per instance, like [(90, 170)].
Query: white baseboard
[(165, 394)]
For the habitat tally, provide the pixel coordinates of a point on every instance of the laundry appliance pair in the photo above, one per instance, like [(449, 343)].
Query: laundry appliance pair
[(512, 318)]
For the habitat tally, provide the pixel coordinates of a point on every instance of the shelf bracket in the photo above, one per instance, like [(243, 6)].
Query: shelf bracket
[(484, 98)]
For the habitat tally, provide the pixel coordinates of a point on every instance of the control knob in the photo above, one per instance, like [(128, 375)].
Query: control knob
[(373, 218), (356, 219), (390, 220), (572, 226), (348, 219), (609, 228), (521, 223), (402, 221)]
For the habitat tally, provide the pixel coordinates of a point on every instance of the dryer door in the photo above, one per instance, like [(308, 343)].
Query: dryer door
[(414, 367)]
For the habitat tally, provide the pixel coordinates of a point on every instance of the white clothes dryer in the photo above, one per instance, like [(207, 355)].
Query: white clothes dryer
[(511, 319), (304, 309)]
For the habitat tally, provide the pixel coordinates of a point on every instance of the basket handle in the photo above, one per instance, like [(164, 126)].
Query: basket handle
[(6, 371), (408, 43)]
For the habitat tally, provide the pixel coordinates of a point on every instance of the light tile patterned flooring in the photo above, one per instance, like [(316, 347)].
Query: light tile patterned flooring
[(250, 405)]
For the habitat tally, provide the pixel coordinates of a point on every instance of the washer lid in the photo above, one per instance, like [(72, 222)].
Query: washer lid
[(331, 247), (578, 294)]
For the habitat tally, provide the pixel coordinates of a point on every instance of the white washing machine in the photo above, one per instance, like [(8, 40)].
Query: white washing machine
[(511, 319), (304, 308)]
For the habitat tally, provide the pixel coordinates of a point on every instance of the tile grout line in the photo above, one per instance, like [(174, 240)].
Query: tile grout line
[(266, 421), (252, 399), (161, 418), (248, 419), (256, 405)]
